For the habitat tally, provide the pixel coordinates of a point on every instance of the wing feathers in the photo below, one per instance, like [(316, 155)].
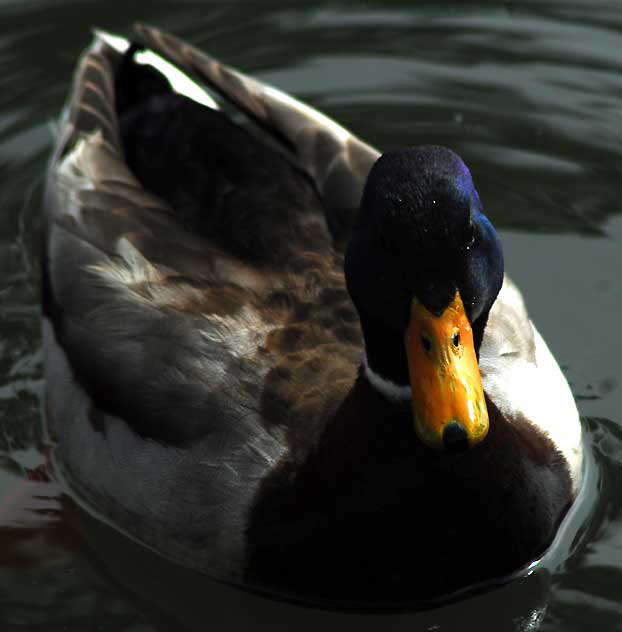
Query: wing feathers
[(337, 160)]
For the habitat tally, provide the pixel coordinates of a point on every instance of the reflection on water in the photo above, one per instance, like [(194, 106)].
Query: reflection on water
[(528, 94)]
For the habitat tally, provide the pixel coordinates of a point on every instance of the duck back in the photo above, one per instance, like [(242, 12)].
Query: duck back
[(223, 182)]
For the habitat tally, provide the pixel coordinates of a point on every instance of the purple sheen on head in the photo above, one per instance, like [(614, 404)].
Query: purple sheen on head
[(464, 181), (420, 202)]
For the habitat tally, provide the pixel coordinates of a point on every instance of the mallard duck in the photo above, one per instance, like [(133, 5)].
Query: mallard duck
[(281, 358)]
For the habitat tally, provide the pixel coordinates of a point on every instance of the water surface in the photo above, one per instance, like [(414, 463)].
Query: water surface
[(530, 95)]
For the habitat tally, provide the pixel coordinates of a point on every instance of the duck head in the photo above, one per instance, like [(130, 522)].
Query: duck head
[(423, 267)]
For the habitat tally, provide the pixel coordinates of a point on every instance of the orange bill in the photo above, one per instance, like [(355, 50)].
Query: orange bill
[(447, 394)]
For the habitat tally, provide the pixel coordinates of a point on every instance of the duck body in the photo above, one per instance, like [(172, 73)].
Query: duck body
[(207, 380)]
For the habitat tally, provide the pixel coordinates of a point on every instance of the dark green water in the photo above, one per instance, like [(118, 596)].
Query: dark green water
[(530, 94)]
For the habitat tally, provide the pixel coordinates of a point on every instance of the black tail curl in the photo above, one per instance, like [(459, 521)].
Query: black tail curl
[(135, 83)]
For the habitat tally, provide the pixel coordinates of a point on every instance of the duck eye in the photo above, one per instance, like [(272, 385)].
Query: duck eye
[(426, 343), (455, 339), (470, 236)]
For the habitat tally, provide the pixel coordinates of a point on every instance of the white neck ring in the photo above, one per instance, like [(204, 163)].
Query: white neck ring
[(389, 389)]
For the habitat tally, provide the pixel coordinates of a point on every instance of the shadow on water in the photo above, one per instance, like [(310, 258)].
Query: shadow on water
[(528, 93)]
